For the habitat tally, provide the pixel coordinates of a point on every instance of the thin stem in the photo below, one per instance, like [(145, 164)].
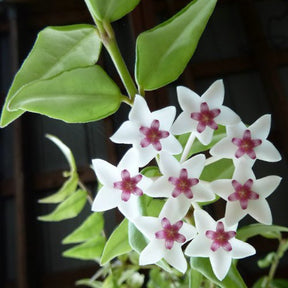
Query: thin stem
[(279, 253), (110, 43), (89, 194), (187, 147)]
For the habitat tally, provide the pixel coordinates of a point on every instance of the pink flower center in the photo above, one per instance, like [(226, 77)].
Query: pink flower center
[(128, 185), (170, 233), (243, 193), (205, 117), (246, 145), (153, 135), (220, 237), (183, 184)]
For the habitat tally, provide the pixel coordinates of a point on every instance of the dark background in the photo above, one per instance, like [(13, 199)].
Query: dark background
[(245, 43)]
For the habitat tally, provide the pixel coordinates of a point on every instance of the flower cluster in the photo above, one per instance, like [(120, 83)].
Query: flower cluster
[(152, 136)]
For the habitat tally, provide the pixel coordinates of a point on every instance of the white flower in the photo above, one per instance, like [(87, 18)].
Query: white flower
[(166, 234), (148, 132), (249, 143), (122, 185), (246, 195), (202, 114), (217, 241), (181, 181)]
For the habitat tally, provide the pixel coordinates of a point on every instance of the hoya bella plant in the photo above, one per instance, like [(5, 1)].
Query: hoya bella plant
[(167, 237)]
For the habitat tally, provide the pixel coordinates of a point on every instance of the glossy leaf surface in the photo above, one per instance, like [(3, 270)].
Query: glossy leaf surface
[(89, 250), (76, 96), (117, 244), (69, 208), (163, 52), (110, 10), (56, 50), (232, 280), (91, 227)]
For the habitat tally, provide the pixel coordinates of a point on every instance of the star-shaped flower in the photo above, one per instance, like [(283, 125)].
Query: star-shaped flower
[(148, 132), (180, 181), (201, 115), (166, 234), (217, 241), (249, 143), (122, 185), (246, 195)]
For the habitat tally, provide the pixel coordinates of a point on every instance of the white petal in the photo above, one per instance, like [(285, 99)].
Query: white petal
[(202, 192), (241, 249), (204, 221), (106, 199), (224, 148), (169, 165), (188, 231), (234, 213), (243, 171), (127, 133), (266, 185), (106, 173), (260, 210), (214, 95), (261, 127), (152, 253), (236, 130), (148, 226), (220, 262), (165, 116), (171, 145), (183, 124), (195, 165), (160, 188), (130, 162), (175, 258), (139, 111), (131, 208), (222, 187), (145, 155), (205, 137), (175, 209), (188, 100), (267, 152), (227, 117), (199, 247)]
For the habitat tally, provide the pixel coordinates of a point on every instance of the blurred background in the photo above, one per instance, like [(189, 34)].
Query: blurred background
[(245, 43)]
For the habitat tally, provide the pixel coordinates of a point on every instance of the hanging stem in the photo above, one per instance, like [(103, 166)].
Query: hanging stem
[(187, 147), (107, 36)]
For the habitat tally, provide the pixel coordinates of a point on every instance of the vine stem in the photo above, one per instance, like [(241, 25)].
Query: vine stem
[(89, 194), (108, 38)]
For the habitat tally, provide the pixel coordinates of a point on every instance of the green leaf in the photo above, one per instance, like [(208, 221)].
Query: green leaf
[(197, 146), (90, 228), (56, 49), (80, 95), (272, 231), (117, 244), (67, 189), (70, 208), (110, 10), (222, 169), (89, 283), (90, 250), (169, 46), (232, 280), (151, 171), (195, 278)]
